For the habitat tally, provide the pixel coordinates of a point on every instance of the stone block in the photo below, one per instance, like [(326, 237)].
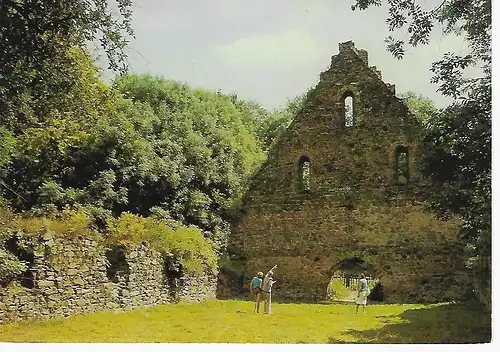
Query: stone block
[(45, 283), (81, 302), (72, 272), (84, 268), (78, 281), (65, 282)]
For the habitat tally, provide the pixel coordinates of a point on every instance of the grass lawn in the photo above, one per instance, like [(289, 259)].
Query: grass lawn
[(233, 321)]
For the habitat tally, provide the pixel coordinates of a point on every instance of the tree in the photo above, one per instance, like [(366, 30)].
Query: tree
[(272, 125), (162, 149), (459, 137), (41, 152), (49, 91), (459, 164), (205, 150), (36, 36), (422, 107), (69, 141)]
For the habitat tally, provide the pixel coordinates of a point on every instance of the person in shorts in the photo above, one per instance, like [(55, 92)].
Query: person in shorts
[(256, 289), (363, 293)]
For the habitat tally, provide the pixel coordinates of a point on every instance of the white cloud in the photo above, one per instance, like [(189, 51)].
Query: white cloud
[(285, 50)]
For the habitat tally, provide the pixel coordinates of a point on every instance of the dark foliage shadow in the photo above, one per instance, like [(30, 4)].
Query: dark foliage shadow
[(465, 322)]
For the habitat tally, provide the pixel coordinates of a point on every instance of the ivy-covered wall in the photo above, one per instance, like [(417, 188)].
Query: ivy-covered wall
[(358, 195)]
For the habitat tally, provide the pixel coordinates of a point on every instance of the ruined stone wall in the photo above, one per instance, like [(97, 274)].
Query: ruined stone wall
[(356, 205), (76, 277), (416, 257)]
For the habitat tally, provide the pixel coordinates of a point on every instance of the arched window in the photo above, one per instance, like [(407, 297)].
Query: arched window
[(304, 174), (402, 166), (349, 110)]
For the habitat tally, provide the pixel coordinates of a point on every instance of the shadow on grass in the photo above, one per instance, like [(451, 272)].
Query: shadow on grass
[(279, 300), (452, 323)]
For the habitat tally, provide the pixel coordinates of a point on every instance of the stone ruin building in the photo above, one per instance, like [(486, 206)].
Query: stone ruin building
[(341, 188)]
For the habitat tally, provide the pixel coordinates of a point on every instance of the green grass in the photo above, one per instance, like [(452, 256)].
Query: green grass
[(233, 321)]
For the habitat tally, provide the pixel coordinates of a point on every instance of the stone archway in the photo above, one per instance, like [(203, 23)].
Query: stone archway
[(344, 279)]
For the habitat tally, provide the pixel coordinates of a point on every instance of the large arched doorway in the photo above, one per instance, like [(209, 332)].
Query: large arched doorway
[(345, 279)]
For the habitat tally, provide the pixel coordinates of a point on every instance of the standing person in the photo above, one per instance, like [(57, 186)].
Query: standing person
[(267, 285), (256, 289), (363, 293)]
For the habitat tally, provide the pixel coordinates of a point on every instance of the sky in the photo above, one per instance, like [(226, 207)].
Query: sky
[(270, 51)]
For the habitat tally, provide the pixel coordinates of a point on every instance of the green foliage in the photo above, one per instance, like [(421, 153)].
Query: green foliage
[(10, 266), (198, 150), (188, 151), (36, 70), (68, 141), (459, 165), (166, 148), (338, 290), (185, 245), (273, 124), (45, 145), (66, 224), (459, 138), (422, 107), (7, 144), (50, 95), (472, 18)]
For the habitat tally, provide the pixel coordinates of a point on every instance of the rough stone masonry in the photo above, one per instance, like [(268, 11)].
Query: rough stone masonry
[(67, 277), (343, 183)]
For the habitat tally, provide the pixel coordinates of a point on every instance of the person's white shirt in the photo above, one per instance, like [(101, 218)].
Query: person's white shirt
[(268, 281)]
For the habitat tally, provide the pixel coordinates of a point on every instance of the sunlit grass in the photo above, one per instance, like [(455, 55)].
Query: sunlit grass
[(233, 321)]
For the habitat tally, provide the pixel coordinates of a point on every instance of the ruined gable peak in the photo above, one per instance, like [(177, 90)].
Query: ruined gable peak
[(348, 47)]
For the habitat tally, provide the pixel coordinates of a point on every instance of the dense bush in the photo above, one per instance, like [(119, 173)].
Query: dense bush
[(185, 245), (182, 245), (10, 266)]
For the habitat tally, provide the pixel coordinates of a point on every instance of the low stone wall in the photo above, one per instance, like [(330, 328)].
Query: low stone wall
[(81, 276), (197, 289)]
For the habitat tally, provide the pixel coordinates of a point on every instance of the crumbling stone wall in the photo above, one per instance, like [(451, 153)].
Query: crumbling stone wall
[(357, 202), (74, 277)]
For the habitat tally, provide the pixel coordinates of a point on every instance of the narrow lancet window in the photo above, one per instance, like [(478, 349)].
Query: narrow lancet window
[(402, 165), (349, 111), (304, 174)]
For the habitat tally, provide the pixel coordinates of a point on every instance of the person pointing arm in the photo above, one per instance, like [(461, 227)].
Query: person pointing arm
[(267, 284), (272, 269)]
